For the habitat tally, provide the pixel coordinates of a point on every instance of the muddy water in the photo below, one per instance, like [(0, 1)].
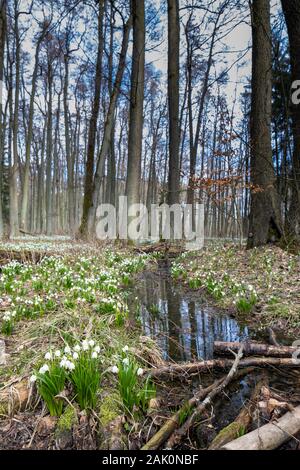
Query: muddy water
[(182, 323)]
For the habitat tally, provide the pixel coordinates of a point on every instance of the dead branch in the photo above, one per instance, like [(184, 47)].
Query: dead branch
[(178, 434), (271, 435), (180, 370), (254, 349)]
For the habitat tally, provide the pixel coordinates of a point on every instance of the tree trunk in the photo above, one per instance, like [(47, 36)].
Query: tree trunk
[(173, 101), (108, 127), (2, 46), (14, 206), (135, 137), (265, 222), (24, 207), (89, 170), (69, 155), (49, 152), (291, 9)]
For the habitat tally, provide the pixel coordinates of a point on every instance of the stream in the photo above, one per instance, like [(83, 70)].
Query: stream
[(182, 323), (185, 326)]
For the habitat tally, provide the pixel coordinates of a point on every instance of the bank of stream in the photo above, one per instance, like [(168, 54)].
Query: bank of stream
[(185, 325)]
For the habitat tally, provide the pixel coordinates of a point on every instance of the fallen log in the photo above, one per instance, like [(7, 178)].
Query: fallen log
[(242, 422), (254, 349), (172, 423), (271, 435), (189, 368), (182, 431)]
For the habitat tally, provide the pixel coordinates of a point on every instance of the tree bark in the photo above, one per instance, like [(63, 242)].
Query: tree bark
[(291, 10), (265, 224), (24, 207), (173, 101), (108, 126), (89, 170), (13, 200), (135, 137), (2, 47)]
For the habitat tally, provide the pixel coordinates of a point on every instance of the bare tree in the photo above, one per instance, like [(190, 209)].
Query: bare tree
[(136, 103)]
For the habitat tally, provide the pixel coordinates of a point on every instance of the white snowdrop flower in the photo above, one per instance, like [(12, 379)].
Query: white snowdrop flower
[(94, 355), (48, 356), (75, 355), (140, 371), (114, 369), (67, 349), (91, 343), (70, 365), (33, 379), (57, 353), (85, 345), (126, 361), (97, 349), (125, 349), (77, 348), (44, 368), (63, 363)]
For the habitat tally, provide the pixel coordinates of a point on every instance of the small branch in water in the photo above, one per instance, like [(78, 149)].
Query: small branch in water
[(242, 421), (174, 421), (180, 433)]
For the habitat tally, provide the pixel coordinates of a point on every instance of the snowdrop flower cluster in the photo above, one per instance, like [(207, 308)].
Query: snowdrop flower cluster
[(9, 316), (36, 289)]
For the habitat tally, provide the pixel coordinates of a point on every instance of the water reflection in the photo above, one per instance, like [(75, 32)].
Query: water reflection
[(184, 329)]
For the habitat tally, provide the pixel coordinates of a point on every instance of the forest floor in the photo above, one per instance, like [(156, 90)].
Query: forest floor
[(56, 296), (259, 285)]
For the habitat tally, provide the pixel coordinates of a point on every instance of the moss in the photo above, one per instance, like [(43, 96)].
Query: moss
[(109, 408), (232, 431), (4, 408), (67, 419), (280, 310)]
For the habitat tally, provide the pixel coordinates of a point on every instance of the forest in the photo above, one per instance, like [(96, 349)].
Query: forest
[(149, 225)]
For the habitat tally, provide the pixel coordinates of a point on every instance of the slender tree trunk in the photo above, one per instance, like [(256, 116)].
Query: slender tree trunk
[(24, 207), (89, 171), (49, 151), (2, 45), (69, 155), (111, 164), (105, 145), (14, 206), (173, 100), (265, 222)]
